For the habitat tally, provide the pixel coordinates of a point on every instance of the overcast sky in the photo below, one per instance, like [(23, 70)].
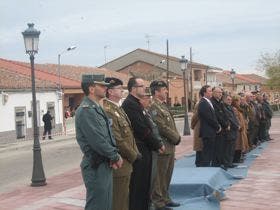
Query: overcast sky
[(222, 33)]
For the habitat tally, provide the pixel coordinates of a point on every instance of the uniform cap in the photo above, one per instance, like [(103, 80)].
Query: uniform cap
[(94, 79), (113, 82), (158, 83)]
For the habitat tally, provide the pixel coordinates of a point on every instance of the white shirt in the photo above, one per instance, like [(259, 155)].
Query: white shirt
[(209, 102)]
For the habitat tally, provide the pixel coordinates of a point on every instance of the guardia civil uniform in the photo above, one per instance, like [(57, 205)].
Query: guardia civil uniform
[(127, 148), (171, 137), (96, 141)]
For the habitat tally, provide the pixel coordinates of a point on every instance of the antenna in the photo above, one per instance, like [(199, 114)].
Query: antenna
[(147, 36), (105, 52)]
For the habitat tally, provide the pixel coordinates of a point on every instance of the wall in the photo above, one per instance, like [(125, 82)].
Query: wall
[(24, 99)]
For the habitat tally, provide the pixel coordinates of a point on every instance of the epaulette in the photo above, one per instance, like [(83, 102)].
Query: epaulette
[(87, 106)]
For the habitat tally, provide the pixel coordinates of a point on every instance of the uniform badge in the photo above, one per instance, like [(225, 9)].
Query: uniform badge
[(110, 121), (154, 112), (85, 105), (117, 114)]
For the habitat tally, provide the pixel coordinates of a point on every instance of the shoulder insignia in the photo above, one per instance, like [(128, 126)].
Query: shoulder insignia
[(110, 121), (117, 114), (85, 106)]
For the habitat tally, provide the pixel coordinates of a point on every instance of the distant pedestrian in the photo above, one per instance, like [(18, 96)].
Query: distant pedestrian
[(94, 135), (47, 119)]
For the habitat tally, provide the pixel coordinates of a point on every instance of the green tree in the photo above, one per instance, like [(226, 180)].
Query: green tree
[(270, 63)]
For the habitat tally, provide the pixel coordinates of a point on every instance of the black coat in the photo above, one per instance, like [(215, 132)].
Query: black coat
[(220, 113), (47, 119), (209, 125), (146, 140), (234, 124), (142, 128)]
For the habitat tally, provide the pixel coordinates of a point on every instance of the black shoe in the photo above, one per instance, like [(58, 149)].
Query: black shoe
[(164, 208), (232, 166), (172, 204), (223, 167)]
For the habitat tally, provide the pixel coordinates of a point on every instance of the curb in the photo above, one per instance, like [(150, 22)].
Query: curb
[(29, 143)]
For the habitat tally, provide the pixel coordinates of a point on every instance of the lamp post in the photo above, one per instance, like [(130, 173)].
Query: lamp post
[(31, 41), (232, 76), (59, 80), (206, 75), (183, 63)]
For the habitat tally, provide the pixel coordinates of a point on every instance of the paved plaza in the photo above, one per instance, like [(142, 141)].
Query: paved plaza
[(259, 190)]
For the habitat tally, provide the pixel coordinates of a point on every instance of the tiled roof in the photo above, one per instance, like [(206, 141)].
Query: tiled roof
[(24, 69), (150, 58), (240, 78), (10, 80), (47, 74)]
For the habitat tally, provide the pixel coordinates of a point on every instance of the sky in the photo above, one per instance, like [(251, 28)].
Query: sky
[(222, 33)]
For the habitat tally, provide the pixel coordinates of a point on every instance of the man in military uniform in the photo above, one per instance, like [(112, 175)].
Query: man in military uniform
[(171, 137), (95, 138), (126, 145)]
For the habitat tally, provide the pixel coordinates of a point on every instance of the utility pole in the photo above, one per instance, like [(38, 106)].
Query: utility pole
[(191, 79), (167, 72)]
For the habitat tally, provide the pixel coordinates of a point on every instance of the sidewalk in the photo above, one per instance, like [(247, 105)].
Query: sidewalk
[(65, 191), (259, 190)]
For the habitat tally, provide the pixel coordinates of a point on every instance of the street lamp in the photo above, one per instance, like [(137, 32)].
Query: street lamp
[(232, 76), (183, 63), (31, 41), (59, 80), (58, 67)]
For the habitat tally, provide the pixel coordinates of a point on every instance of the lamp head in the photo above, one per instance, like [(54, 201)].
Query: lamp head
[(31, 39)]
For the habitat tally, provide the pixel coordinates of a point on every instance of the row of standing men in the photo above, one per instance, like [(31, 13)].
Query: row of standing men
[(129, 149), (227, 126)]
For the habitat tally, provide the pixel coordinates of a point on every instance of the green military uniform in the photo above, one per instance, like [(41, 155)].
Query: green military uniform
[(95, 138), (126, 145), (171, 137)]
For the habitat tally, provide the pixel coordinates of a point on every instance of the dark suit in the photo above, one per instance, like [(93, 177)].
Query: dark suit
[(146, 141), (209, 126), (229, 148), (220, 140)]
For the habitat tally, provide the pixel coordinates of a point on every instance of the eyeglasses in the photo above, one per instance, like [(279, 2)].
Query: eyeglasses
[(138, 86), (117, 88)]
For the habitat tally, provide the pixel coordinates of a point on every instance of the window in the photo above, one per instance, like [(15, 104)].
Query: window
[(20, 122)]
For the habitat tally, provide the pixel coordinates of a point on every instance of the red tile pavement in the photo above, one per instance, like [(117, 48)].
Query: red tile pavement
[(261, 188), (65, 191)]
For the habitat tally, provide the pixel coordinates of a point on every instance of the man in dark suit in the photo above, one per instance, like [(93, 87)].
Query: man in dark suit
[(220, 140), (209, 125), (146, 141)]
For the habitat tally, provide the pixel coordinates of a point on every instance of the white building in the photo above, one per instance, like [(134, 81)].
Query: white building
[(16, 113)]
